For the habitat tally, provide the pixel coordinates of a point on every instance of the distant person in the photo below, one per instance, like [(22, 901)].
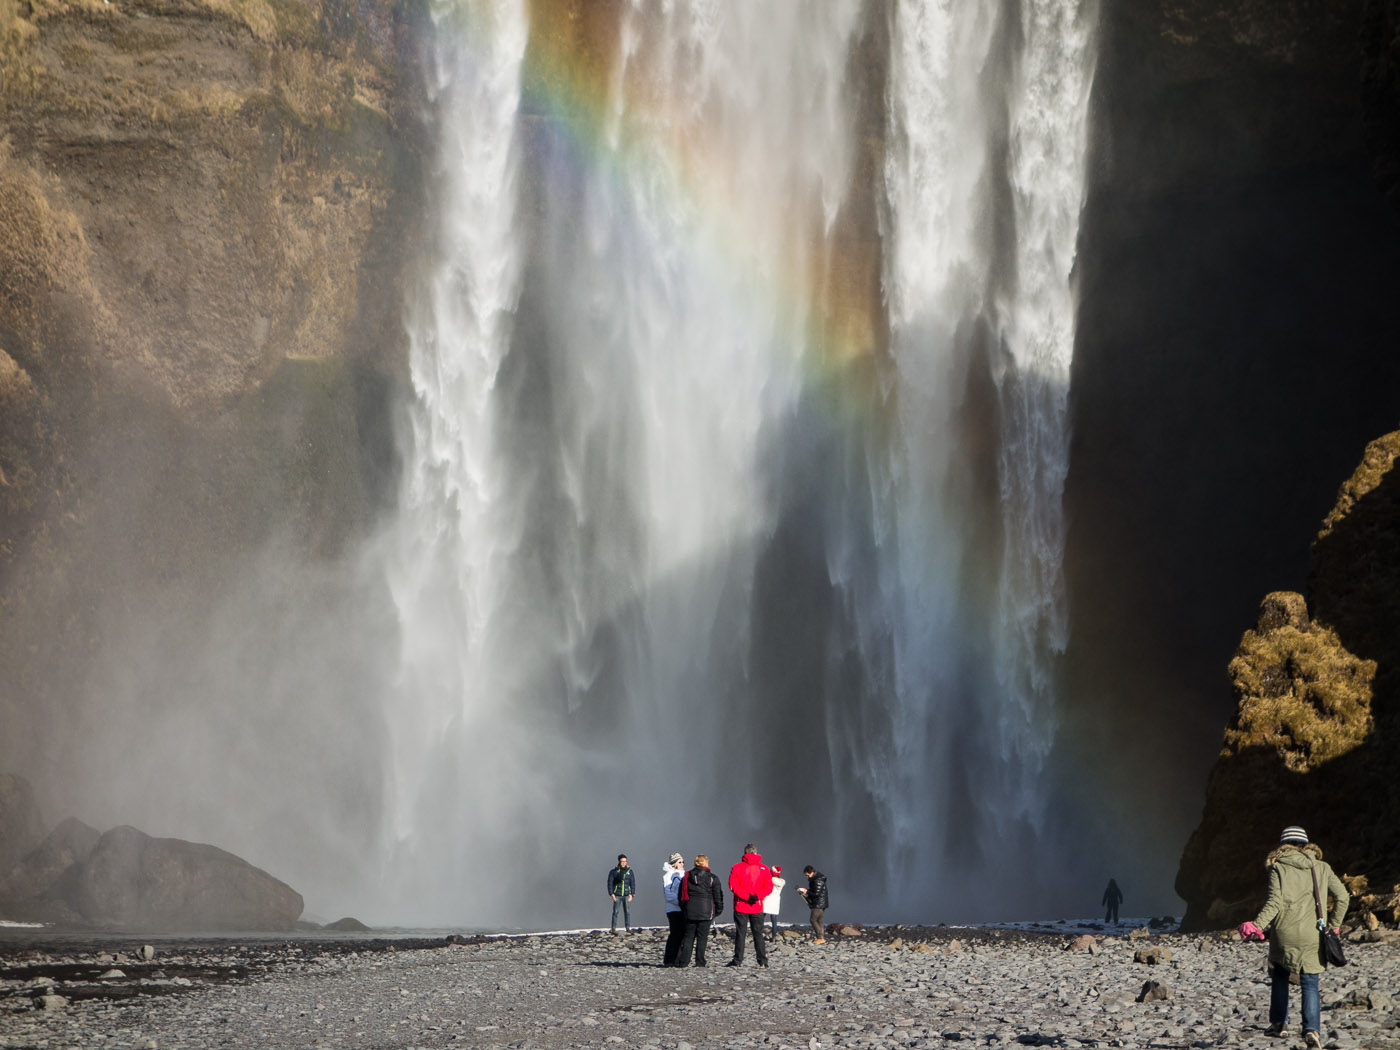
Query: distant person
[(1112, 897), (750, 881), (771, 903), (815, 892), (672, 874), (702, 899), (622, 886), (1300, 882)]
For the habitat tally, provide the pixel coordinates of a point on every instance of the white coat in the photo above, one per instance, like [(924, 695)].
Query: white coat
[(770, 902)]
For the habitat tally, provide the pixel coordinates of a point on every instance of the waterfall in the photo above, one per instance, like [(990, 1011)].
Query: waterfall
[(450, 556), (706, 533)]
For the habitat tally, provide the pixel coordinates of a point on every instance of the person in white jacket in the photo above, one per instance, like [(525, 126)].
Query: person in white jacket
[(770, 902), (672, 872)]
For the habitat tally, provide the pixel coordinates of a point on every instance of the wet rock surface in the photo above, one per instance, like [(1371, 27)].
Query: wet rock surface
[(891, 987)]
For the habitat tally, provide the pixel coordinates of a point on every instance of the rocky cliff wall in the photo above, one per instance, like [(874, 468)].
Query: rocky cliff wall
[(1235, 266), (1313, 741), (202, 217)]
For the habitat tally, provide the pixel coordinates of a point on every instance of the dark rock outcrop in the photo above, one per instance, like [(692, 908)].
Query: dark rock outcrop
[(134, 881), (1313, 740), (47, 872), (20, 826), (1235, 351)]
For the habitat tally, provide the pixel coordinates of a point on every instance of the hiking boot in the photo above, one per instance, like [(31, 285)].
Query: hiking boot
[(1274, 1029), (1312, 1040)]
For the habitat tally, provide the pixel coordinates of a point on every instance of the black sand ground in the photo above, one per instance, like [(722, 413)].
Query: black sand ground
[(889, 987)]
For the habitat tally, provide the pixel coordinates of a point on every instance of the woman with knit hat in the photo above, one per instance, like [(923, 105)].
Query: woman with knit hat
[(1300, 882), (672, 872)]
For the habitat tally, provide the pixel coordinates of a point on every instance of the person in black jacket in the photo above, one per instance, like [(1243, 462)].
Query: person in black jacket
[(815, 892), (702, 898), (622, 885), (1112, 897)]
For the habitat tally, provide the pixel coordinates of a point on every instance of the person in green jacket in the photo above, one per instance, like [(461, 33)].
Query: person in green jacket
[(1297, 877)]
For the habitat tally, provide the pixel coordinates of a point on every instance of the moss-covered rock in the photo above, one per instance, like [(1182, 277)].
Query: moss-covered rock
[(1312, 741)]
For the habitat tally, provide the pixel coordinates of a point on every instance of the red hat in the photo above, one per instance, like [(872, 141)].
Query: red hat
[(777, 869)]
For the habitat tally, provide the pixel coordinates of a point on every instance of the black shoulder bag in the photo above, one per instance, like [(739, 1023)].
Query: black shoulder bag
[(1329, 944)]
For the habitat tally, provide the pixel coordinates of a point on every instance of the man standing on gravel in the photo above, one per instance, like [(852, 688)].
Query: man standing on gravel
[(750, 881), (1112, 897), (621, 887), (815, 892)]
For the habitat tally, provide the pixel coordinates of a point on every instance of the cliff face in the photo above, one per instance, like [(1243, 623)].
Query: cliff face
[(1317, 684), (1235, 255), (202, 206), (1313, 740)]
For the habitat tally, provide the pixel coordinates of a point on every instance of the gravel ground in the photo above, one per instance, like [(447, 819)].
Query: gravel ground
[(890, 987)]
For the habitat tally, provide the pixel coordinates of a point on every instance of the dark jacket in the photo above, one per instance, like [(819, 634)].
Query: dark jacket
[(750, 881), (621, 883), (816, 890), (702, 896), (1112, 895)]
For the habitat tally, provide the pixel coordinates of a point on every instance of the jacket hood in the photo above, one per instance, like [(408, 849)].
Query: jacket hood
[(752, 858), (1294, 856)]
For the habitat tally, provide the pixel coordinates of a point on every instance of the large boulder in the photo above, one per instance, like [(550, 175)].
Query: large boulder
[(48, 871), (132, 880), (21, 828)]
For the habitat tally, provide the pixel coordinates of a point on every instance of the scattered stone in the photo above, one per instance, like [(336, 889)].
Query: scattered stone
[(571, 992), (1154, 991), (1158, 956), (1139, 933), (111, 975), (49, 1002), (1083, 943), (148, 952)]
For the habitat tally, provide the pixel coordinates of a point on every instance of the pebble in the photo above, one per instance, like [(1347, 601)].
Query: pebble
[(588, 990)]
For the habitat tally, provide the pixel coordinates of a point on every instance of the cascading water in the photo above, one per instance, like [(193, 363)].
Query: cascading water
[(688, 551)]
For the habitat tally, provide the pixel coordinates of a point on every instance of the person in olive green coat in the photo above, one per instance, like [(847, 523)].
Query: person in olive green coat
[(1290, 917)]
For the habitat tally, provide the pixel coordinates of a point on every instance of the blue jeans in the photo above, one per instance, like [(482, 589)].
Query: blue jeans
[(1278, 999), (624, 904)]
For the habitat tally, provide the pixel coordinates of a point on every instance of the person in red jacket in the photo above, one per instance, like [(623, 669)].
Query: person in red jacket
[(750, 881)]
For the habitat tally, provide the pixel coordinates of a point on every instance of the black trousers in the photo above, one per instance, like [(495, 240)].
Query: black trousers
[(697, 932), (744, 923), (673, 937)]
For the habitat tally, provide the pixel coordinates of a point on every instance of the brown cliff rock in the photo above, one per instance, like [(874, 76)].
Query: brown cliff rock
[(202, 216), (1313, 741)]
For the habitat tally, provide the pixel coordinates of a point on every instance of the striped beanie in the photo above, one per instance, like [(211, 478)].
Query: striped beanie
[(1294, 835)]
